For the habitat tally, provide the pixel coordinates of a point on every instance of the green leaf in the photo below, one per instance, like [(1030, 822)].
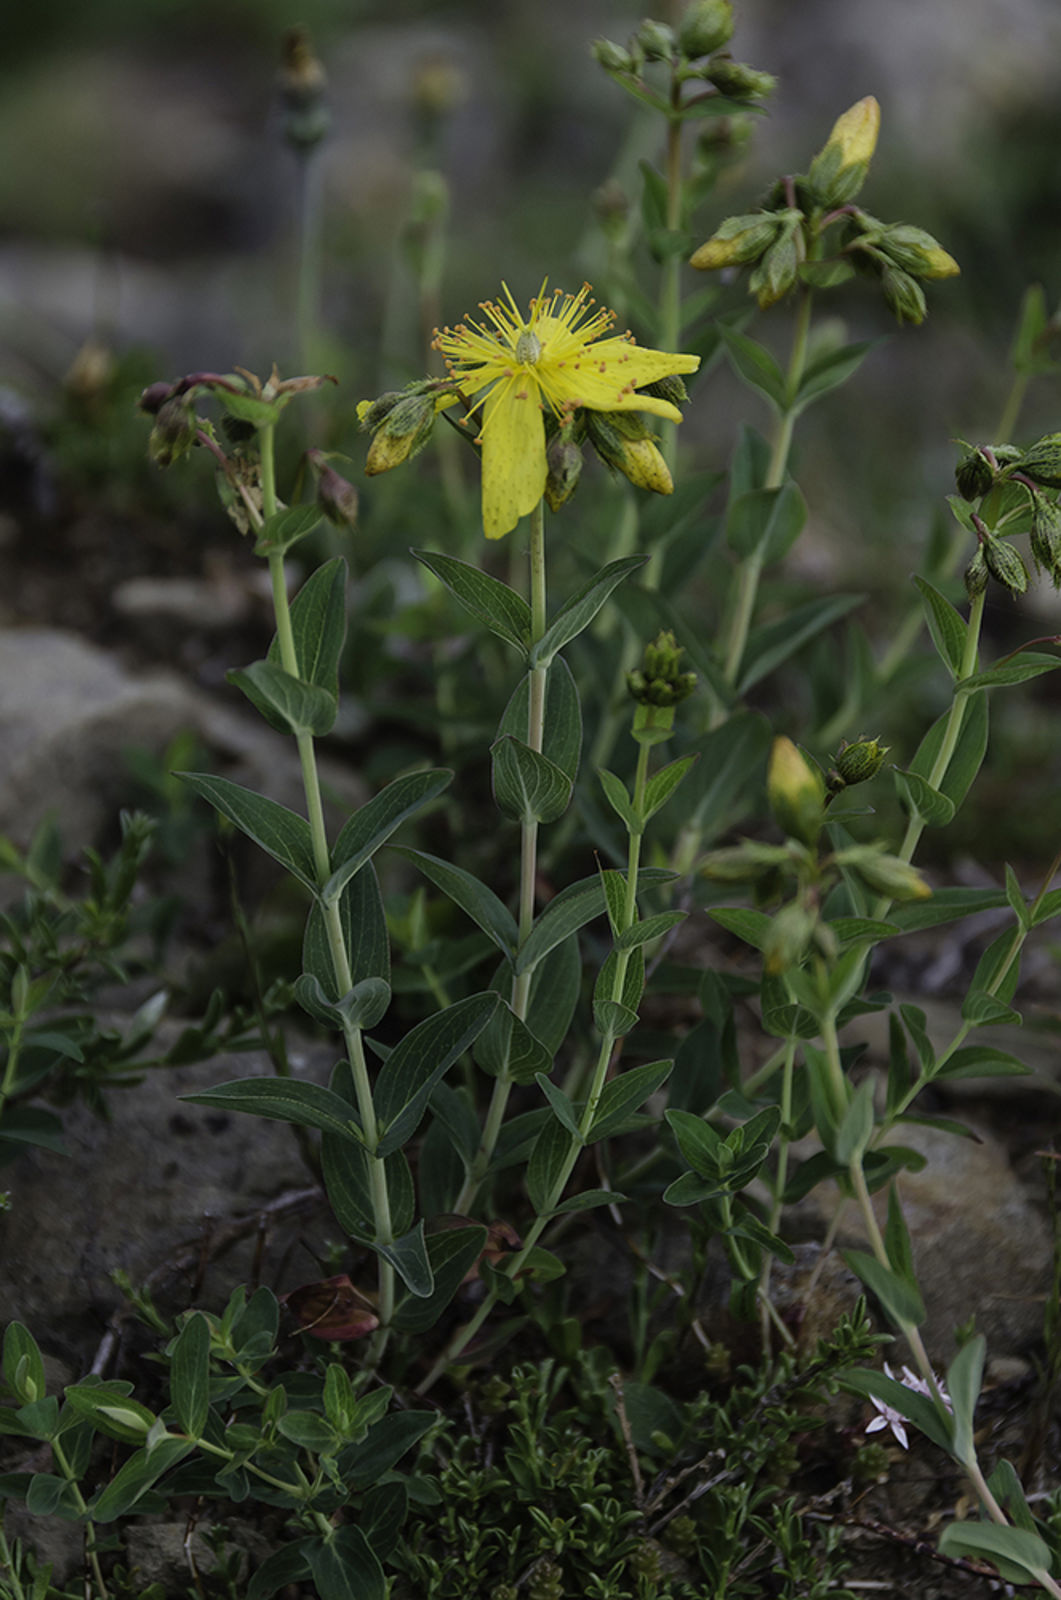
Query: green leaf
[(767, 521), (616, 1014), (772, 643), (561, 1106), (281, 833), (23, 1364), (344, 1567), (751, 926), (50, 1496), (856, 1126), (731, 757), (372, 824), (581, 609), (1029, 664), (348, 1183), (366, 1463), (985, 1010), (829, 371), (528, 787), (1018, 1554), (1030, 352), (651, 928), (419, 1060), (588, 1200), (851, 928), (504, 612), (451, 1255), (190, 1375), (284, 528), (570, 910), (286, 703), (964, 1379), (365, 939), (968, 754), (899, 1296), (945, 623), (698, 1142), (562, 726), (506, 1044), (318, 627), (614, 885), (308, 1105), (756, 366), (361, 1007), (922, 801), (408, 1256), (1049, 906), (946, 905), (663, 783), (139, 1474), (980, 1061), (624, 1095), (309, 1431), (916, 1408), (1015, 897), (554, 992), (618, 798), (480, 903), (549, 1160)]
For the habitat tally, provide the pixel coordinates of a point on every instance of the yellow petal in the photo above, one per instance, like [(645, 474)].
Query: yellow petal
[(514, 468), (605, 377)]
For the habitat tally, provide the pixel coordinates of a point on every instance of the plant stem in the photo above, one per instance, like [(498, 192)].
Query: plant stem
[(751, 568), (340, 957), (90, 1527), (528, 856)]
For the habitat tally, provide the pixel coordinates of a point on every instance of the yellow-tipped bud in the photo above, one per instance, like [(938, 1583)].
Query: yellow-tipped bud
[(839, 170), (737, 240), (622, 441), (796, 793)]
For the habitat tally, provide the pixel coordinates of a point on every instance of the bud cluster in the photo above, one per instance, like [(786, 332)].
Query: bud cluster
[(986, 471), (781, 242), (855, 763), (658, 681), (401, 422), (694, 49)]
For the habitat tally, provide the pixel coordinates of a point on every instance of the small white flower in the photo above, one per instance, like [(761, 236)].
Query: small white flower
[(888, 1417)]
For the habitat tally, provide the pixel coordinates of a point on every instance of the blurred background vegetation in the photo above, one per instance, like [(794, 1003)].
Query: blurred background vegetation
[(149, 208)]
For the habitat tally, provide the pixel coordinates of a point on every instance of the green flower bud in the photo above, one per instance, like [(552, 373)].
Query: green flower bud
[(1046, 535), (737, 240), (796, 793), (612, 57), (656, 40), (563, 459), (1042, 463), (705, 28), (737, 81), (916, 252), (839, 169), (904, 295), (890, 875), (670, 388), (974, 475), (976, 574), (401, 425), (748, 862), (302, 88), (778, 270), (658, 686), (1006, 565), (174, 432), (858, 762), (788, 937)]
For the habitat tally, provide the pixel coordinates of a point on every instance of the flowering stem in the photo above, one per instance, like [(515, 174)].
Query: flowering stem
[(528, 873), (340, 957), (751, 568)]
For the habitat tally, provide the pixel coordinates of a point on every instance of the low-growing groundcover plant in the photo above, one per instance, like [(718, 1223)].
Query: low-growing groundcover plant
[(493, 998)]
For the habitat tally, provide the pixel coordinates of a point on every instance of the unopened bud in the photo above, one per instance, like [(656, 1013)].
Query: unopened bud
[(336, 497), (154, 397), (890, 875), (1046, 534), (612, 57), (400, 432), (303, 82), (623, 442), (737, 240), (439, 86), (858, 762), (787, 938), (839, 169), (1006, 565), (777, 272), (904, 295), (563, 460), (659, 681), (796, 793), (174, 432), (917, 252), (656, 40), (1042, 463), (976, 574), (670, 388), (705, 28), (737, 81), (974, 475)]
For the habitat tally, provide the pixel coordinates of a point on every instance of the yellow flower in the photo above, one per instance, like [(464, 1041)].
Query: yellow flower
[(555, 357)]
